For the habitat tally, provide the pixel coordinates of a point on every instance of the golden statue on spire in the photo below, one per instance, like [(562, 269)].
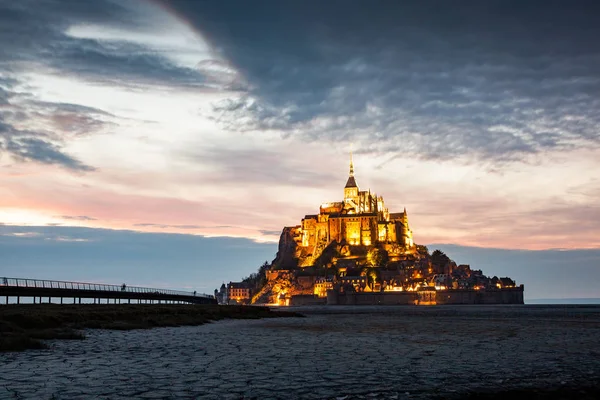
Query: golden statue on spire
[(351, 164)]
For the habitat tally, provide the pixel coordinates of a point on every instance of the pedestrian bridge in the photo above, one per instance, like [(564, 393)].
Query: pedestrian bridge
[(40, 291)]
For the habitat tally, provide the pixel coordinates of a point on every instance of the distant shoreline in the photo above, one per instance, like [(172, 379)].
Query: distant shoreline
[(584, 300)]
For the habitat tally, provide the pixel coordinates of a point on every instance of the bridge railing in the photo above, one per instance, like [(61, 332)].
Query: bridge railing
[(42, 283)]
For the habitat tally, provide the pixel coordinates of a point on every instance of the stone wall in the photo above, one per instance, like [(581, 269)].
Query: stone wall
[(490, 296), (466, 296), (307, 300), (388, 298)]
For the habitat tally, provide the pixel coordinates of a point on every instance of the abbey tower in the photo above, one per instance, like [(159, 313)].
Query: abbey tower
[(360, 220)]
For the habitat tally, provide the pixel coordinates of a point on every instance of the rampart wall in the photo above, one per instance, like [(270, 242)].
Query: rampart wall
[(460, 296), (490, 296), (307, 300), (389, 298)]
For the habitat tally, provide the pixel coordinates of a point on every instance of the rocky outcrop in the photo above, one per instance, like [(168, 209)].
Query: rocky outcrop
[(286, 252)]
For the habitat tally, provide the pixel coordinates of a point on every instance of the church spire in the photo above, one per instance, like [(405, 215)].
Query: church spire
[(351, 164), (351, 183)]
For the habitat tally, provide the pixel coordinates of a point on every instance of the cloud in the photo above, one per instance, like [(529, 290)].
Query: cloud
[(77, 217), (489, 221), (46, 36), (126, 45), (270, 233), (118, 64), (67, 239), (68, 119), (37, 147), (186, 227), (34, 130), (403, 78), (246, 164), (165, 226), (23, 234)]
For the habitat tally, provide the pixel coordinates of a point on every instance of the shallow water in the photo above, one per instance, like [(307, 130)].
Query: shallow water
[(335, 352)]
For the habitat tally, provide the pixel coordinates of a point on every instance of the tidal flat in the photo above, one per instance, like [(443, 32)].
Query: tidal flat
[(369, 352), (29, 326)]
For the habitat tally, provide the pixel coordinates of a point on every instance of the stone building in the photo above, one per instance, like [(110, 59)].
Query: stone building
[(221, 294), (238, 293), (360, 219)]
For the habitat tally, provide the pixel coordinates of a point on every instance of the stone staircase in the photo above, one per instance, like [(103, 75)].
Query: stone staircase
[(263, 296)]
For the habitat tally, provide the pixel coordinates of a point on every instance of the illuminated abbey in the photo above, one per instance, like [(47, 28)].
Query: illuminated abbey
[(355, 251), (360, 219)]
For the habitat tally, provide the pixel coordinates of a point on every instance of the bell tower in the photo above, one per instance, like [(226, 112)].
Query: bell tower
[(351, 189)]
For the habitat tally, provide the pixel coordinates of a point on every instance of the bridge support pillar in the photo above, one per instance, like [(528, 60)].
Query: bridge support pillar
[(80, 300), (61, 300), (6, 299), (18, 300), (49, 300)]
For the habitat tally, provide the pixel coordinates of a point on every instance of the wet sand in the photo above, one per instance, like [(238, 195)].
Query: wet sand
[(26, 326), (335, 352)]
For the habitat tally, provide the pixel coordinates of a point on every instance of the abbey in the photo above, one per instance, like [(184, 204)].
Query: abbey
[(355, 251), (360, 219)]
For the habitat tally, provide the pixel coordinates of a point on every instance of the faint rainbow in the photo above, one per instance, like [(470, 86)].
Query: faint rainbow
[(167, 7)]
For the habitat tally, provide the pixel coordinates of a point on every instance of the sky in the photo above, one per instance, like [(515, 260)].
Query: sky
[(210, 125)]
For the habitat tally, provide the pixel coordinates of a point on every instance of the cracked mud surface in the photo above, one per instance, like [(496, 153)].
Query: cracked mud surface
[(335, 352)]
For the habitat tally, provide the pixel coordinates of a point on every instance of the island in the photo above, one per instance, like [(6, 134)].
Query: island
[(356, 251)]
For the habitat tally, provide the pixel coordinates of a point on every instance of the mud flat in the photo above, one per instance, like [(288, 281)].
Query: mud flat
[(337, 352), (26, 326)]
